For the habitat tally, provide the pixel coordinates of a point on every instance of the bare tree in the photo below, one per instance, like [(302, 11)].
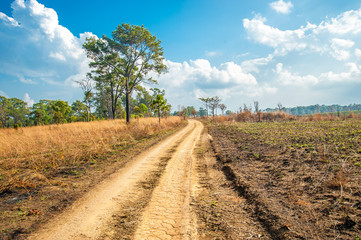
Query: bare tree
[(247, 108), (257, 110), (206, 102), (256, 106), (222, 107), (86, 85), (214, 104), (279, 106)]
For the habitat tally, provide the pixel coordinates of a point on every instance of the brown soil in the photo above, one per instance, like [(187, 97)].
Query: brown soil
[(290, 196), (220, 210)]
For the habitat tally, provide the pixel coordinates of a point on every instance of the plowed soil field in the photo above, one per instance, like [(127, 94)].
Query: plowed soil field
[(300, 180)]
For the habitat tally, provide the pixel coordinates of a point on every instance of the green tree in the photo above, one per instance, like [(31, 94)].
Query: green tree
[(4, 111), (80, 111), (159, 105), (131, 54), (62, 111), (106, 65), (140, 53), (39, 113), (202, 112), (18, 111), (144, 109)]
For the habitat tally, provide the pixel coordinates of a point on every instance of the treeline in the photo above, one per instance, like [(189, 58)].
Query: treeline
[(313, 109), (212, 104), (15, 112)]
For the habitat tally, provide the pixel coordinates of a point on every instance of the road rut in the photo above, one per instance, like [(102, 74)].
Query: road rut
[(168, 214)]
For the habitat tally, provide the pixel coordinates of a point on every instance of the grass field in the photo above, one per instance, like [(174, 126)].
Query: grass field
[(46, 148), (301, 179)]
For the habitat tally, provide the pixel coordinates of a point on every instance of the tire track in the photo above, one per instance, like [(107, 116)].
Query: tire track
[(90, 216), (169, 214)]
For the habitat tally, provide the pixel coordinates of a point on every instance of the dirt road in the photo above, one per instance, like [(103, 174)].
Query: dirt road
[(164, 214)]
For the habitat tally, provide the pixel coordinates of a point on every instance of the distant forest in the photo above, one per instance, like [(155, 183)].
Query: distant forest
[(313, 109)]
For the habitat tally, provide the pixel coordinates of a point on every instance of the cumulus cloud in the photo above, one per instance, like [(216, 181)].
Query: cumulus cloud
[(357, 53), (352, 75), (287, 78), (28, 100), (202, 74), (254, 64), (282, 7), (335, 37), (51, 53), (282, 41), (340, 48), (345, 23), (190, 80), (8, 20)]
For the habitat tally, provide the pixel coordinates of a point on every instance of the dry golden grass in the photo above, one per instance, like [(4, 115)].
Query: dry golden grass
[(53, 146)]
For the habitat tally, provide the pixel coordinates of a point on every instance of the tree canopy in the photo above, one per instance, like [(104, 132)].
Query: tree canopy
[(123, 62)]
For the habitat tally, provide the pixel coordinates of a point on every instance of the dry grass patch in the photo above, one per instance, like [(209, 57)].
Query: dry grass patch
[(35, 150)]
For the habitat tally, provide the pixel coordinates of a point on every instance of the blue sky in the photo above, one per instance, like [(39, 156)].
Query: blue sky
[(294, 52)]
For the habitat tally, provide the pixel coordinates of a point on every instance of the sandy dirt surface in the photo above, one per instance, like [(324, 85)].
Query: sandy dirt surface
[(167, 214)]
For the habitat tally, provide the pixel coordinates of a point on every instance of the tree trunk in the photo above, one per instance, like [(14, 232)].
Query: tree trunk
[(127, 110), (113, 101), (87, 111), (159, 115)]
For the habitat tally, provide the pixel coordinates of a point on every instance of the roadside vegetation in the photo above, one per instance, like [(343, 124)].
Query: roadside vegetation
[(301, 177)]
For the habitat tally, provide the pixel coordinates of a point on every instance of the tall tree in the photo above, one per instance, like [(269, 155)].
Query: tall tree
[(79, 110), (206, 102), (4, 111), (107, 67), (222, 107), (61, 111), (18, 110), (87, 87), (140, 54), (159, 105), (214, 104), (132, 53)]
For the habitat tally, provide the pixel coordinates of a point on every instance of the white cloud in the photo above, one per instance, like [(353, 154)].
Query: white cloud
[(346, 23), (26, 81), (28, 100), (57, 56), (8, 20), (282, 7), (357, 52), (287, 78), (253, 64), (352, 75), (212, 53), (190, 80), (340, 48), (34, 46), (282, 41), (336, 37)]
